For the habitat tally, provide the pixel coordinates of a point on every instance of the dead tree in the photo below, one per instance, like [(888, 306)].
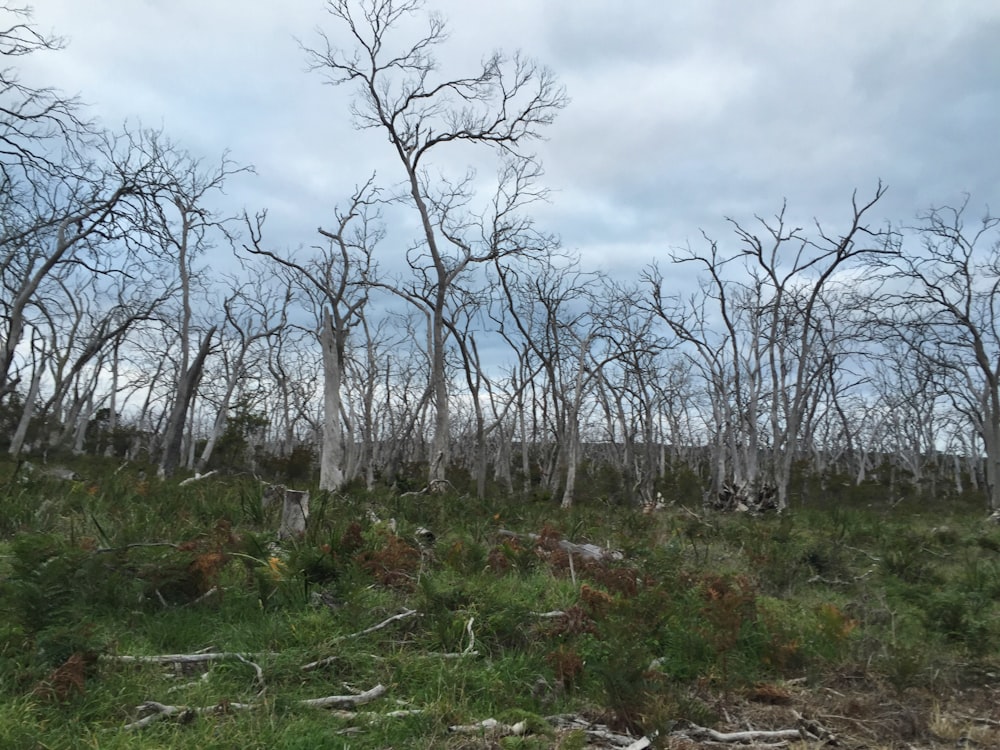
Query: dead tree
[(771, 355), (337, 279), (504, 105), (949, 321)]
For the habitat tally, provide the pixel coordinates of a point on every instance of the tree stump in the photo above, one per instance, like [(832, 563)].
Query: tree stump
[(294, 509)]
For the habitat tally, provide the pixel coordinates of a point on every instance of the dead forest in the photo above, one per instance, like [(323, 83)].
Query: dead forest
[(143, 318)]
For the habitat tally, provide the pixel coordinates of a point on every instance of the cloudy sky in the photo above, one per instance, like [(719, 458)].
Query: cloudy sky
[(682, 113)]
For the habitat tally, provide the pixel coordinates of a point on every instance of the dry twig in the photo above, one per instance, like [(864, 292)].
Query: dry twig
[(388, 621)]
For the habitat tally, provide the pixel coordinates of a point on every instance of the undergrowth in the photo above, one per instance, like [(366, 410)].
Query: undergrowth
[(489, 617)]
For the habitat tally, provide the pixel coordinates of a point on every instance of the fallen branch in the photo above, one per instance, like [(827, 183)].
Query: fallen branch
[(187, 685), (450, 655), (136, 545), (491, 726), (371, 716), (586, 551), (258, 675), (345, 701), (184, 713), (207, 595), (640, 744), (200, 658), (176, 658), (434, 488), (869, 555), (598, 732), (198, 477), (388, 621), (698, 518), (752, 735), (979, 720), (157, 710), (469, 650), (812, 728)]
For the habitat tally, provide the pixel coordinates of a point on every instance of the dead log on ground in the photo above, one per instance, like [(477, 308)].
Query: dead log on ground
[(585, 551)]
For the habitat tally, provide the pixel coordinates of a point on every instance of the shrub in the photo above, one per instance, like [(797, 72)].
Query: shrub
[(394, 563), (905, 556)]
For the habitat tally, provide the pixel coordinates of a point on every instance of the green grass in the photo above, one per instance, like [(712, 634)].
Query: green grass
[(115, 565)]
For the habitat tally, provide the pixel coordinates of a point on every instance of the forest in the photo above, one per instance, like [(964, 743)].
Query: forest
[(144, 319), (431, 481)]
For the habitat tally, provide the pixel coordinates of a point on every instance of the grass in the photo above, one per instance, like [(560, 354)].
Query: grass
[(698, 614)]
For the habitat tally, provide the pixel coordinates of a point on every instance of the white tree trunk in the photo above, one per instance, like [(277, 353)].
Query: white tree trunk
[(294, 509), (186, 388), (21, 431), (331, 462)]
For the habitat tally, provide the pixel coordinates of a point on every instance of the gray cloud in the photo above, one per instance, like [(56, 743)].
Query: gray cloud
[(682, 112)]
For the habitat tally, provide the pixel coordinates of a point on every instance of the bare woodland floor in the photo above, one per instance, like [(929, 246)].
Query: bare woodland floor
[(858, 714), (863, 714)]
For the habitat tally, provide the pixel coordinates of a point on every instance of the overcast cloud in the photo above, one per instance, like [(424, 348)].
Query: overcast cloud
[(682, 112)]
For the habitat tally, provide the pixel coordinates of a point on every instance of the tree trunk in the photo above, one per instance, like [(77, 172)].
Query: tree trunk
[(440, 448), (991, 445), (572, 443), (21, 431), (174, 434), (219, 424), (331, 464)]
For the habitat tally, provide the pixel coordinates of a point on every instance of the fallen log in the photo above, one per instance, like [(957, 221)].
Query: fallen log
[(586, 551), (345, 701), (491, 727)]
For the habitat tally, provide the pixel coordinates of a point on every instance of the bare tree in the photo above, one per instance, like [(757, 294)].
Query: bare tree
[(183, 228), (774, 349), (79, 202), (85, 221), (717, 335), (187, 384), (799, 351), (504, 104), (37, 368), (36, 123), (254, 313), (631, 390), (365, 398), (947, 314), (338, 279), (86, 322), (294, 376), (557, 312), (910, 407), (406, 397), (482, 391)]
